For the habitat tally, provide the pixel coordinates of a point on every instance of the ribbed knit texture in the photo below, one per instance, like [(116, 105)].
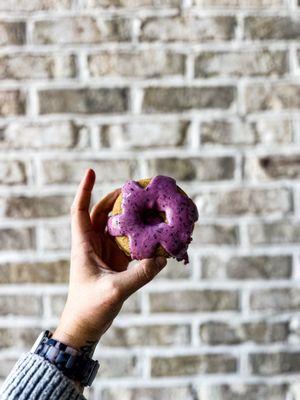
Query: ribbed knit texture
[(34, 378)]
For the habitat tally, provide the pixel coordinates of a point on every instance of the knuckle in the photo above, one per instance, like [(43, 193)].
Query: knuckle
[(146, 274)]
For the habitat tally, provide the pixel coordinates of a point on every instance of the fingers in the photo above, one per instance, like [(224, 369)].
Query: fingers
[(81, 221), (138, 275), (83, 196), (101, 210), (112, 255)]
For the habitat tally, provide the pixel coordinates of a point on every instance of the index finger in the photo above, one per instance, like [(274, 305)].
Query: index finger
[(81, 221), (83, 196)]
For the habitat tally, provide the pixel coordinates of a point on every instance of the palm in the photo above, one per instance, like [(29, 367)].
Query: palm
[(105, 250)]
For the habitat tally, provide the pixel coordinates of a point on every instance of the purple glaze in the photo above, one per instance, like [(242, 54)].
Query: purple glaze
[(144, 236)]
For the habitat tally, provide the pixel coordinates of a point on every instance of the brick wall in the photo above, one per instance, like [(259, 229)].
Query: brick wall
[(207, 91)]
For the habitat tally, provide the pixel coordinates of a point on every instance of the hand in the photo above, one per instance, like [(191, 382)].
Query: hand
[(100, 277)]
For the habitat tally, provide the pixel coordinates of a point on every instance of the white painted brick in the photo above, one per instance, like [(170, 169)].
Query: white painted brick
[(62, 63)]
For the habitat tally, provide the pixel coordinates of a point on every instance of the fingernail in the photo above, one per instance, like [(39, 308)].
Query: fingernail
[(160, 261)]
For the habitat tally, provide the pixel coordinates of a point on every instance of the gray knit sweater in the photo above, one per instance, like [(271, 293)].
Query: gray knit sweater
[(34, 378)]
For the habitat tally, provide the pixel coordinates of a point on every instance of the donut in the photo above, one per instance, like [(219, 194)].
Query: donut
[(153, 217)]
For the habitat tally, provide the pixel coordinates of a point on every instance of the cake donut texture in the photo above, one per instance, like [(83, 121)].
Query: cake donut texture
[(153, 217)]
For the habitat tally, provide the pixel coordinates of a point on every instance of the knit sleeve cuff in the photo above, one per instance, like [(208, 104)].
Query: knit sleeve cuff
[(34, 378)]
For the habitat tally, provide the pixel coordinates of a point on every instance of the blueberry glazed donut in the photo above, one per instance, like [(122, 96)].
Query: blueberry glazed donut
[(153, 217)]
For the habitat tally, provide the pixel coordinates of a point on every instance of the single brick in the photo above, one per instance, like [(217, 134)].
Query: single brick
[(35, 272), (12, 172), (187, 169), (18, 337), (216, 333), (35, 5), (49, 135), (147, 335), (277, 96), (178, 393), (144, 135), (275, 363), (55, 171), (244, 201), (272, 130), (194, 301), (273, 167), (262, 332), (188, 28), (16, 239), (269, 27), (279, 232), (183, 168), (215, 234), (226, 132), (149, 64), (36, 66), (37, 207), (12, 102), (83, 101), (81, 30), (132, 305), (20, 305), (12, 33), (177, 99), (193, 365), (243, 63), (121, 367), (283, 299), (241, 391), (246, 267)]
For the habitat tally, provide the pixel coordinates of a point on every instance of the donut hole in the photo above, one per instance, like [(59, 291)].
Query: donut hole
[(152, 216)]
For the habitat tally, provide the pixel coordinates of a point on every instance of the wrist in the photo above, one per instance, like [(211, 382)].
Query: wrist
[(77, 338), (76, 365)]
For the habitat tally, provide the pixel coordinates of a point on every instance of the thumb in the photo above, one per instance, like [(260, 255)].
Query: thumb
[(132, 279)]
